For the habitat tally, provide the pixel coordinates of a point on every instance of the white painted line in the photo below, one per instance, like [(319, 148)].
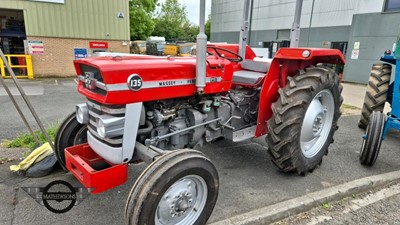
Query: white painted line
[(375, 197), (357, 204), (29, 90)]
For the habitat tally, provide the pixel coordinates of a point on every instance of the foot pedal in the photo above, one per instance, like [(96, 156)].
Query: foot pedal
[(242, 134)]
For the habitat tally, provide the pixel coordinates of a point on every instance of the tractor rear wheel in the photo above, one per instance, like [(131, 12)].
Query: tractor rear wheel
[(376, 94), (70, 133), (179, 188), (304, 120), (372, 141)]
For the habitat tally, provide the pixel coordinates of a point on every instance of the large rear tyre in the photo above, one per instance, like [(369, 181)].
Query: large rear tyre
[(376, 94), (179, 188), (372, 141), (304, 120), (70, 133)]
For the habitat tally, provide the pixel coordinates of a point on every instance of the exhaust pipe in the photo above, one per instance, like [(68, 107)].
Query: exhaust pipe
[(201, 51)]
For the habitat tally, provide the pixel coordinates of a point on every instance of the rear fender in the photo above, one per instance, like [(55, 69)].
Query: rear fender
[(287, 62)]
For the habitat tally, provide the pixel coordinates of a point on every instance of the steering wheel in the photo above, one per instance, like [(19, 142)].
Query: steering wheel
[(218, 49)]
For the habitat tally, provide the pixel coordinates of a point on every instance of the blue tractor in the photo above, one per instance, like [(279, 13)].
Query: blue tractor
[(379, 91)]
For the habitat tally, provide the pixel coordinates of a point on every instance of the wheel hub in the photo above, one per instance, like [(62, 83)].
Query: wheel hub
[(181, 204), (318, 123)]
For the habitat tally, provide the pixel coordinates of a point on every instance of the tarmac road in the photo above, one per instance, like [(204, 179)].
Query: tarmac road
[(52, 99), (248, 179)]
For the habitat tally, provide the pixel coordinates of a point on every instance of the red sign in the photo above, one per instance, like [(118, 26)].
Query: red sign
[(98, 44)]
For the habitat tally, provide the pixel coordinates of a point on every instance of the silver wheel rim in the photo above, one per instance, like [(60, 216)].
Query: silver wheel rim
[(78, 136), (317, 123), (183, 202)]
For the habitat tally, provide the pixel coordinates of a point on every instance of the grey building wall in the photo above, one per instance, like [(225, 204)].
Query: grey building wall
[(376, 32), (226, 15), (333, 21), (230, 37), (315, 38)]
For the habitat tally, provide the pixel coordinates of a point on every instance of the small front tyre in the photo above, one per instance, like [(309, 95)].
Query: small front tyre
[(179, 188), (373, 138)]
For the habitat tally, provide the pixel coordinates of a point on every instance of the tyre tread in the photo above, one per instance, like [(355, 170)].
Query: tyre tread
[(376, 93)]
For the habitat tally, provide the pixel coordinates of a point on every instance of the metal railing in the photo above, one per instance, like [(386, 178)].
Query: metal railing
[(20, 64)]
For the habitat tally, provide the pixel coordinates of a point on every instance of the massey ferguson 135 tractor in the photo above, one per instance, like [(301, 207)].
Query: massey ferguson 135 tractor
[(157, 109)]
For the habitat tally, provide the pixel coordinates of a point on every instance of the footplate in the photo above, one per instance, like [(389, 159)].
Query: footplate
[(92, 170)]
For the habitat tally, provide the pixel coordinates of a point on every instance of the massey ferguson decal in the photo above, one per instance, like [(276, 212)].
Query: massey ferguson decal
[(166, 83)]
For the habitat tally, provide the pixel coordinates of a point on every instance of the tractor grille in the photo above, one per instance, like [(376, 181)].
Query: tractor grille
[(97, 109)]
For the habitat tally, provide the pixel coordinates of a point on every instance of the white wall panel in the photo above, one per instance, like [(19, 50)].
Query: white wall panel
[(279, 14), (369, 6)]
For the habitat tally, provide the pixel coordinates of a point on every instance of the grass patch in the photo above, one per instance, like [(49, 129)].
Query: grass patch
[(326, 205), (345, 106), (5, 160), (26, 140)]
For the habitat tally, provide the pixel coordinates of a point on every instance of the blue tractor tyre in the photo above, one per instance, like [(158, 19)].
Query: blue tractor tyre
[(372, 139), (376, 93)]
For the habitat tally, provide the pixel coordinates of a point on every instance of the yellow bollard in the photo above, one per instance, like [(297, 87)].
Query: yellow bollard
[(28, 60), (2, 69)]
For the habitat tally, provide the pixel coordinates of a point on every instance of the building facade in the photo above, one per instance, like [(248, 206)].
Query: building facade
[(361, 29), (55, 32)]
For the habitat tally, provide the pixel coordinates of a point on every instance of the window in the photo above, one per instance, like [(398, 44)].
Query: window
[(342, 46), (392, 6)]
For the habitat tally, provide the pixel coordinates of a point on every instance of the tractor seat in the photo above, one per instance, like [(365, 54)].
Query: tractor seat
[(252, 72)]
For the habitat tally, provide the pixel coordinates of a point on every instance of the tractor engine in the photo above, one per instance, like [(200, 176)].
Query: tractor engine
[(189, 122)]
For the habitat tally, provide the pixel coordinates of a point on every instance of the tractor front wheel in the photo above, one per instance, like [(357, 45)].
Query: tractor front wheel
[(70, 133), (179, 188), (373, 138), (304, 120)]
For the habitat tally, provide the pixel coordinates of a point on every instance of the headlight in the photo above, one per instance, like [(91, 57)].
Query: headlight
[(82, 113), (101, 129), (109, 126)]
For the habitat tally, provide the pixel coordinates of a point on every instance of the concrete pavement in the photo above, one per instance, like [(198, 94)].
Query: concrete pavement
[(353, 95), (249, 181)]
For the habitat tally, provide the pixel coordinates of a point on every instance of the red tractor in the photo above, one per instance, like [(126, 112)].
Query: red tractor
[(156, 109)]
